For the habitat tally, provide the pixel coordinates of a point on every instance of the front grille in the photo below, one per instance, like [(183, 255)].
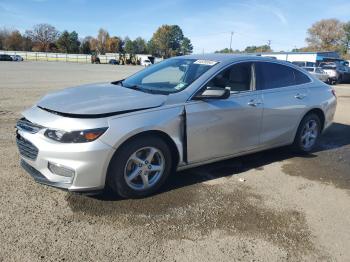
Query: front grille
[(25, 125), (26, 148)]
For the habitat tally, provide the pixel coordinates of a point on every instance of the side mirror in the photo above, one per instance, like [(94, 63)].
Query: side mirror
[(213, 94)]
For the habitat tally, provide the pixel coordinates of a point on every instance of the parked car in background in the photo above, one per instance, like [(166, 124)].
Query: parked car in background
[(337, 73), (183, 112), (304, 63), (4, 57), (318, 72), (17, 58), (146, 62), (113, 62)]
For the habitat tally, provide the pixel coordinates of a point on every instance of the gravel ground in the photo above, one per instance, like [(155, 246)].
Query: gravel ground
[(288, 207)]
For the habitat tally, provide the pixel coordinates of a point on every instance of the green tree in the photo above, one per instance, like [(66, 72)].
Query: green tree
[(257, 49), (166, 41), (129, 46), (346, 41), (140, 46), (74, 42), (63, 42), (186, 46), (85, 46), (68, 42), (151, 48)]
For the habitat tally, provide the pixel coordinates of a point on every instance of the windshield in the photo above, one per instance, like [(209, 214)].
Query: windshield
[(310, 69), (169, 76), (329, 67)]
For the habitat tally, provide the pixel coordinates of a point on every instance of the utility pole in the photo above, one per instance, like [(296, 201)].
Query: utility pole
[(231, 42)]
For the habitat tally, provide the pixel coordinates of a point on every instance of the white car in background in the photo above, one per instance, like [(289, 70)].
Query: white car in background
[(17, 58), (318, 72), (146, 62)]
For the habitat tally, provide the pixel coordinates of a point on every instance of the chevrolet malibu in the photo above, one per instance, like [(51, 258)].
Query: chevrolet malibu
[(131, 134)]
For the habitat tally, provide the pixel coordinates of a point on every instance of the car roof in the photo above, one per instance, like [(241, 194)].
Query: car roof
[(227, 57)]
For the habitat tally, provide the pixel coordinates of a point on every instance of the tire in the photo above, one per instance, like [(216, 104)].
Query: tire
[(123, 166), (339, 80), (306, 137)]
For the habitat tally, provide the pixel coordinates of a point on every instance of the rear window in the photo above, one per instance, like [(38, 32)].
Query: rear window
[(273, 75)]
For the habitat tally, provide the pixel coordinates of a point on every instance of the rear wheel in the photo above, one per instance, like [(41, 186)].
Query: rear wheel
[(140, 167), (307, 134)]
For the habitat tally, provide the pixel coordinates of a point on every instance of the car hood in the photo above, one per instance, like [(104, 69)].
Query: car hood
[(99, 100)]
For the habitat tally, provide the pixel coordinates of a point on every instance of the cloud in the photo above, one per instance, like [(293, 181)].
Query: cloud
[(278, 13)]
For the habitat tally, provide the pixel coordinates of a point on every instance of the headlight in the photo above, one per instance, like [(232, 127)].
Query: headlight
[(75, 136)]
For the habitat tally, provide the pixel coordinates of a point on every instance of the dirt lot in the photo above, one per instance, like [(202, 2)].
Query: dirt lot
[(289, 207)]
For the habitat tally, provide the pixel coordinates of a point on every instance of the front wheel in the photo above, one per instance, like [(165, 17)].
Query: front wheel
[(140, 167), (307, 135)]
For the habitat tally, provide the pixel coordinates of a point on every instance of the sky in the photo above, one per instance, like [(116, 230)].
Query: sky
[(208, 23)]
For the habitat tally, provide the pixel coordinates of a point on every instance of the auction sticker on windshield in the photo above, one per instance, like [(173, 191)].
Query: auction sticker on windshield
[(205, 62)]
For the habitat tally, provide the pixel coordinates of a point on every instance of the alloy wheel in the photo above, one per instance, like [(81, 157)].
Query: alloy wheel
[(309, 134), (144, 168)]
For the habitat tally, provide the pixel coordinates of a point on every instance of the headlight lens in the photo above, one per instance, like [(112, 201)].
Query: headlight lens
[(75, 136)]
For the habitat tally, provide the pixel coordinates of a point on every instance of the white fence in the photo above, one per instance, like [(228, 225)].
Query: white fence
[(60, 57)]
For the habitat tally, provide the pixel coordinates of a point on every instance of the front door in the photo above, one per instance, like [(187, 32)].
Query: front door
[(218, 128)]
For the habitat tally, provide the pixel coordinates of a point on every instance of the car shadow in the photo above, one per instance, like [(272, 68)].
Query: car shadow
[(338, 135)]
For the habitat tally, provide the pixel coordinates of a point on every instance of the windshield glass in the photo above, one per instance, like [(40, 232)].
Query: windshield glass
[(310, 69), (169, 76), (329, 67)]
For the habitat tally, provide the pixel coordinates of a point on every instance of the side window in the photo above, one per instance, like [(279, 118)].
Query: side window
[(300, 78), (238, 78), (273, 75)]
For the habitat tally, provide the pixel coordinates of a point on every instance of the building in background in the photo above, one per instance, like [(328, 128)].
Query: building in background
[(312, 58)]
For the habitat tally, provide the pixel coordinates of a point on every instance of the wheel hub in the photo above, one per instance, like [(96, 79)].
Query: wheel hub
[(144, 168)]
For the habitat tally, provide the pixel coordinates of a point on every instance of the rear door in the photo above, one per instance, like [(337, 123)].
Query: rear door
[(222, 127), (284, 94)]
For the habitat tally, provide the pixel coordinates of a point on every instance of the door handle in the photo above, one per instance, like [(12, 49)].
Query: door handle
[(254, 103), (299, 96)]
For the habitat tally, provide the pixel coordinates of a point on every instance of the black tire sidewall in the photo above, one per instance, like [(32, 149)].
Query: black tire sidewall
[(115, 175), (297, 141)]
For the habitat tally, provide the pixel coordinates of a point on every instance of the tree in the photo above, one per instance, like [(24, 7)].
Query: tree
[(43, 36), (85, 46), (346, 39), (74, 42), (325, 35), (186, 46), (114, 44), (14, 41), (129, 46), (68, 42), (102, 39), (93, 44), (166, 41), (27, 43), (257, 49), (63, 42), (4, 33), (151, 48), (140, 46)]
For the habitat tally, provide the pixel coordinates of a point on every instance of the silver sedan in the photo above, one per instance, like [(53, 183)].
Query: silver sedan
[(186, 111)]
